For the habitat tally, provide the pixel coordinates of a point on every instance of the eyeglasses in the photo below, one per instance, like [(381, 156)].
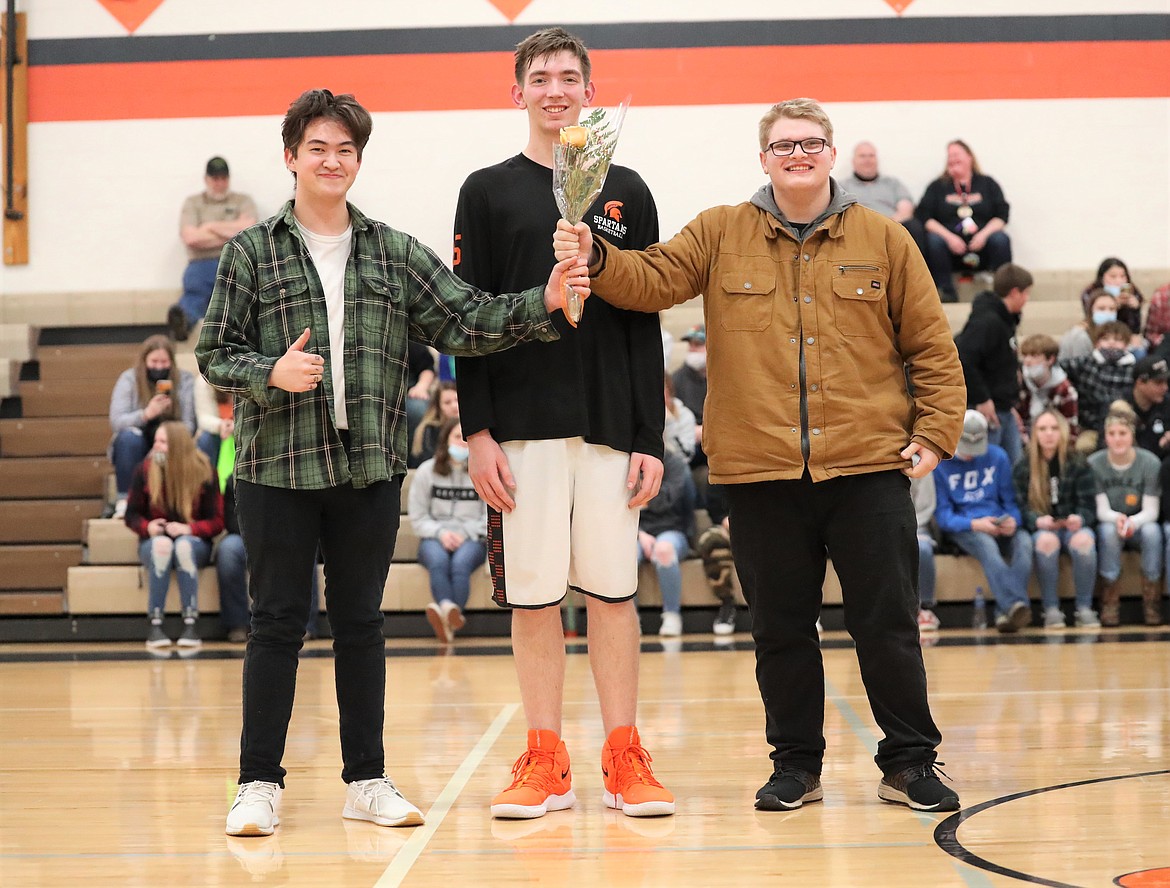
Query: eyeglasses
[(808, 146)]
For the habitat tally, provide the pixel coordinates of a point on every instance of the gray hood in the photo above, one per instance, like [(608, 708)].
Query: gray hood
[(839, 199)]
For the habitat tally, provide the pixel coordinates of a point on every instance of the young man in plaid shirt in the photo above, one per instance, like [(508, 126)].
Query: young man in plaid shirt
[(308, 328), (1101, 377)]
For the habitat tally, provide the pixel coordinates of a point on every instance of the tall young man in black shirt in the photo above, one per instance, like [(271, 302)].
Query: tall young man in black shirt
[(566, 443)]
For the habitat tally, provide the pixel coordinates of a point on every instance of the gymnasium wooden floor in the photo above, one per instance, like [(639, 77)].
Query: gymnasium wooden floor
[(116, 769)]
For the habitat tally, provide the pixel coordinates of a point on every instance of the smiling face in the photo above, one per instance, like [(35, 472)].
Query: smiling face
[(798, 176), (553, 93), (960, 164), (325, 163)]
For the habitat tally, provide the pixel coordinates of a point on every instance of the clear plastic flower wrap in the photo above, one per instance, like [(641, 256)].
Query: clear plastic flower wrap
[(580, 164)]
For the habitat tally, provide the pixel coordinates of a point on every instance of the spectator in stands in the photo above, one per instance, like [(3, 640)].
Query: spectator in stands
[(207, 221), (420, 378), (214, 421), (1129, 495), (714, 548), (151, 392), (1057, 495), (923, 494), (885, 194), (176, 509), (690, 386), (665, 525), (977, 508), (1150, 405), (442, 405), (1045, 385), (450, 521), (679, 432), (1158, 320), (1100, 378), (964, 213), (1113, 278), (322, 443), (987, 349), (1078, 341)]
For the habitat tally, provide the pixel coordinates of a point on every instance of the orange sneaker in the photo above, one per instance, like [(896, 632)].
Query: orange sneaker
[(629, 782), (542, 780)]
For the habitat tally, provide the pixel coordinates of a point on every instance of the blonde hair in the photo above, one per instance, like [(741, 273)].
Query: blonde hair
[(175, 484), (795, 109), (1121, 413), (1039, 480)]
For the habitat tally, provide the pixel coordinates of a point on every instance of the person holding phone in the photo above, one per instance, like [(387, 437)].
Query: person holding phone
[(151, 392)]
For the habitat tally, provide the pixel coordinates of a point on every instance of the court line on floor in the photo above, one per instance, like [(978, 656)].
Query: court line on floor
[(970, 876), (417, 843)]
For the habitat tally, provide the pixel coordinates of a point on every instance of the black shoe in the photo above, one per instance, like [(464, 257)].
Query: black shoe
[(725, 621), (918, 787), (949, 296), (177, 323), (788, 789), (1019, 616)]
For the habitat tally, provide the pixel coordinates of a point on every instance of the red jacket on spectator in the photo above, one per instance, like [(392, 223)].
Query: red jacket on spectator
[(206, 512)]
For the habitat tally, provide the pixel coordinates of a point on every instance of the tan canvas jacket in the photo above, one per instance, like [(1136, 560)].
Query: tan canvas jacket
[(859, 298)]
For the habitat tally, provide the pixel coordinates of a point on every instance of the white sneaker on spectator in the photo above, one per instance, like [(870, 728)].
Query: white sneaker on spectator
[(1053, 618), (725, 620), (1087, 618), (671, 623), (120, 508), (927, 621), (256, 810), (379, 801)]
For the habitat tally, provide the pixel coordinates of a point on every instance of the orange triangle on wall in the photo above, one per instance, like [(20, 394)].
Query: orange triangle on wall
[(131, 13), (899, 5), (511, 8)]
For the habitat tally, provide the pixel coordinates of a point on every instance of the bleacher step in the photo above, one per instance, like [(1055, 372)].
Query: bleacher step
[(29, 603), (86, 362), (55, 436), (34, 477), (37, 566), (46, 521), (66, 397)]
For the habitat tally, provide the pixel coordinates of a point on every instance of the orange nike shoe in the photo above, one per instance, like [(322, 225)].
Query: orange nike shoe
[(542, 780), (629, 782)]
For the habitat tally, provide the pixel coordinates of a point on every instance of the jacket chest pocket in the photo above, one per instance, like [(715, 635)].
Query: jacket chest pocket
[(747, 296), (285, 310), (860, 303)]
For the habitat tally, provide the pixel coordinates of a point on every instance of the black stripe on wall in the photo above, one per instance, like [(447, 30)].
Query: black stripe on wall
[(663, 35)]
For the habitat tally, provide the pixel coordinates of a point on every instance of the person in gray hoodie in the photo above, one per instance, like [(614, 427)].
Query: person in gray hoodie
[(451, 522)]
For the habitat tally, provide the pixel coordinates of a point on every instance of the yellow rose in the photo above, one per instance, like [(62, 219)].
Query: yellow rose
[(576, 136)]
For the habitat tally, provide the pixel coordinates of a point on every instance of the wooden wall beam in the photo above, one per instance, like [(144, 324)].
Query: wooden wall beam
[(15, 205)]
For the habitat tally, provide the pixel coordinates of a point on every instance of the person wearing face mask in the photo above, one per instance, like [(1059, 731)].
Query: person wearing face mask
[(175, 507), (690, 387), (451, 522), (151, 392), (1078, 341), (1045, 385), (1113, 278), (1101, 377), (987, 350)]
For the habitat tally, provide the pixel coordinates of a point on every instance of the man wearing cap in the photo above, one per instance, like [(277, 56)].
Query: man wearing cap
[(690, 385), (1148, 397), (976, 506), (207, 221)]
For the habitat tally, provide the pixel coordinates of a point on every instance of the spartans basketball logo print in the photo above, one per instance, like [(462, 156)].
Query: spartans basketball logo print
[(609, 220)]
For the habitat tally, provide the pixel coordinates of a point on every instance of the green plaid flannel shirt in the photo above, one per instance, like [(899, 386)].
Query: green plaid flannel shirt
[(267, 292)]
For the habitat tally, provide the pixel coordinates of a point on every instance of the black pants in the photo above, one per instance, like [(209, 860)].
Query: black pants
[(781, 533), (356, 530)]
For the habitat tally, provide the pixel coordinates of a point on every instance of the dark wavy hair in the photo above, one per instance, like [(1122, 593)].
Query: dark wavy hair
[(315, 104)]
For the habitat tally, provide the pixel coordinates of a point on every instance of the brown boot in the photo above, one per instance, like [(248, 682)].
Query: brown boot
[(1151, 602), (1111, 603)]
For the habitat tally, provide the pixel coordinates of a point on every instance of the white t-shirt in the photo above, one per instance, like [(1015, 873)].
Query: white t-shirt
[(330, 254)]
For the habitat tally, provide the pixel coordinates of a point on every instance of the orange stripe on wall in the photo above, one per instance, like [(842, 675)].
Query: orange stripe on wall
[(702, 76)]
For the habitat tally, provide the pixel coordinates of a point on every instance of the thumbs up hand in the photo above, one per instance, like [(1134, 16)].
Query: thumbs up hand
[(298, 370)]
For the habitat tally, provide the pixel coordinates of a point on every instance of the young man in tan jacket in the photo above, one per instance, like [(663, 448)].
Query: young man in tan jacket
[(815, 309)]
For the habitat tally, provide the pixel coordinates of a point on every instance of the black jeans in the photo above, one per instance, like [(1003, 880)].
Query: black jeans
[(356, 530), (781, 533)]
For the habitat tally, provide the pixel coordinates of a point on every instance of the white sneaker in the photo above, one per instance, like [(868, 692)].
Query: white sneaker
[(1053, 618), (256, 810), (671, 624), (379, 801), (927, 620), (120, 508)]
